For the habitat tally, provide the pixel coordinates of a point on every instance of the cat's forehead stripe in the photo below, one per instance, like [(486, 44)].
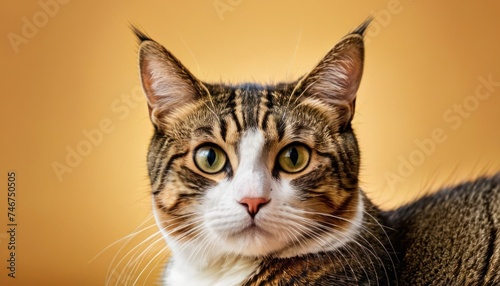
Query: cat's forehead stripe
[(233, 111), (223, 128), (244, 105), (241, 109)]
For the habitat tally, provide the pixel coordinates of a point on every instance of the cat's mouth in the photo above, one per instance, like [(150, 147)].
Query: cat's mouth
[(252, 230), (251, 241)]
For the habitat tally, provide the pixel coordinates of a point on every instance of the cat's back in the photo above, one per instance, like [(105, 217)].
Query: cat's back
[(451, 237)]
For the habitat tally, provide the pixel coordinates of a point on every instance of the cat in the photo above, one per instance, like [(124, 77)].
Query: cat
[(451, 237), (258, 184)]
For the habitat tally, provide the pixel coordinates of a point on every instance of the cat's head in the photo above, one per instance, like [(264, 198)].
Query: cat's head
[(254, 170)]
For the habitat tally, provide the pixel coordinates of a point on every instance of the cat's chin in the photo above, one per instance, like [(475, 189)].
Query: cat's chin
[(252, 231), (253, 241), (257, 242)]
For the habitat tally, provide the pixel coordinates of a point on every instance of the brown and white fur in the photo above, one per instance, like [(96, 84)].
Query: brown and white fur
[(253, 221)]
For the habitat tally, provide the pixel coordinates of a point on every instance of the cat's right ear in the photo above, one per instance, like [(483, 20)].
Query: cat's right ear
[(168, 85)]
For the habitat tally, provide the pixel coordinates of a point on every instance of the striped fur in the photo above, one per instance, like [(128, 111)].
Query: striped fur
[(451, 237), (316, 226)]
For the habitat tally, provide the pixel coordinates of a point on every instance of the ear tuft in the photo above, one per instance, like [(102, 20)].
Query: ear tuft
[(141, 36), (361, 29)]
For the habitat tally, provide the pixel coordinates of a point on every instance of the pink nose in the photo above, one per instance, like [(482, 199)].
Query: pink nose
[(253, 205)]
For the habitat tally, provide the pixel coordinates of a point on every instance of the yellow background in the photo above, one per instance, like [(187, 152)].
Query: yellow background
[(78, 69)]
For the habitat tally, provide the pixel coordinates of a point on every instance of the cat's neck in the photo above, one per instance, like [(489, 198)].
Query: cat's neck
[(226, 271)]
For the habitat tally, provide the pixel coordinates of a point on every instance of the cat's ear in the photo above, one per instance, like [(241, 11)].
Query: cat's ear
[(168, 85), (335, 80)]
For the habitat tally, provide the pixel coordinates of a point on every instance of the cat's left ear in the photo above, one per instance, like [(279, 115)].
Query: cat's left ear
[(335, 80)]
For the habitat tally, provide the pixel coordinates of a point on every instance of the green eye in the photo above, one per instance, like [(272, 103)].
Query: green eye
[(294, 158), (210, 159)]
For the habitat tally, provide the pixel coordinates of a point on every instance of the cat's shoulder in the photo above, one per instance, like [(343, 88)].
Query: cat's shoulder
[(449, 237), (479, 193)]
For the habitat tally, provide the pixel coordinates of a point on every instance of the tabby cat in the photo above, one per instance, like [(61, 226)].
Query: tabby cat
[(258, 184)]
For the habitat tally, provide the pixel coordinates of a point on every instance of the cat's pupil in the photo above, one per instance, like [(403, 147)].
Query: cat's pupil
[(294, 156), (211, 156)]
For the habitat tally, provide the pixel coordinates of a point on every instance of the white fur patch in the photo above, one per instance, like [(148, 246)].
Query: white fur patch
[(252, 177), (227, 272)]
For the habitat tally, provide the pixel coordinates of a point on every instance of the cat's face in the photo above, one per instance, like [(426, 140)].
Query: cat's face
[(254, 170)]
